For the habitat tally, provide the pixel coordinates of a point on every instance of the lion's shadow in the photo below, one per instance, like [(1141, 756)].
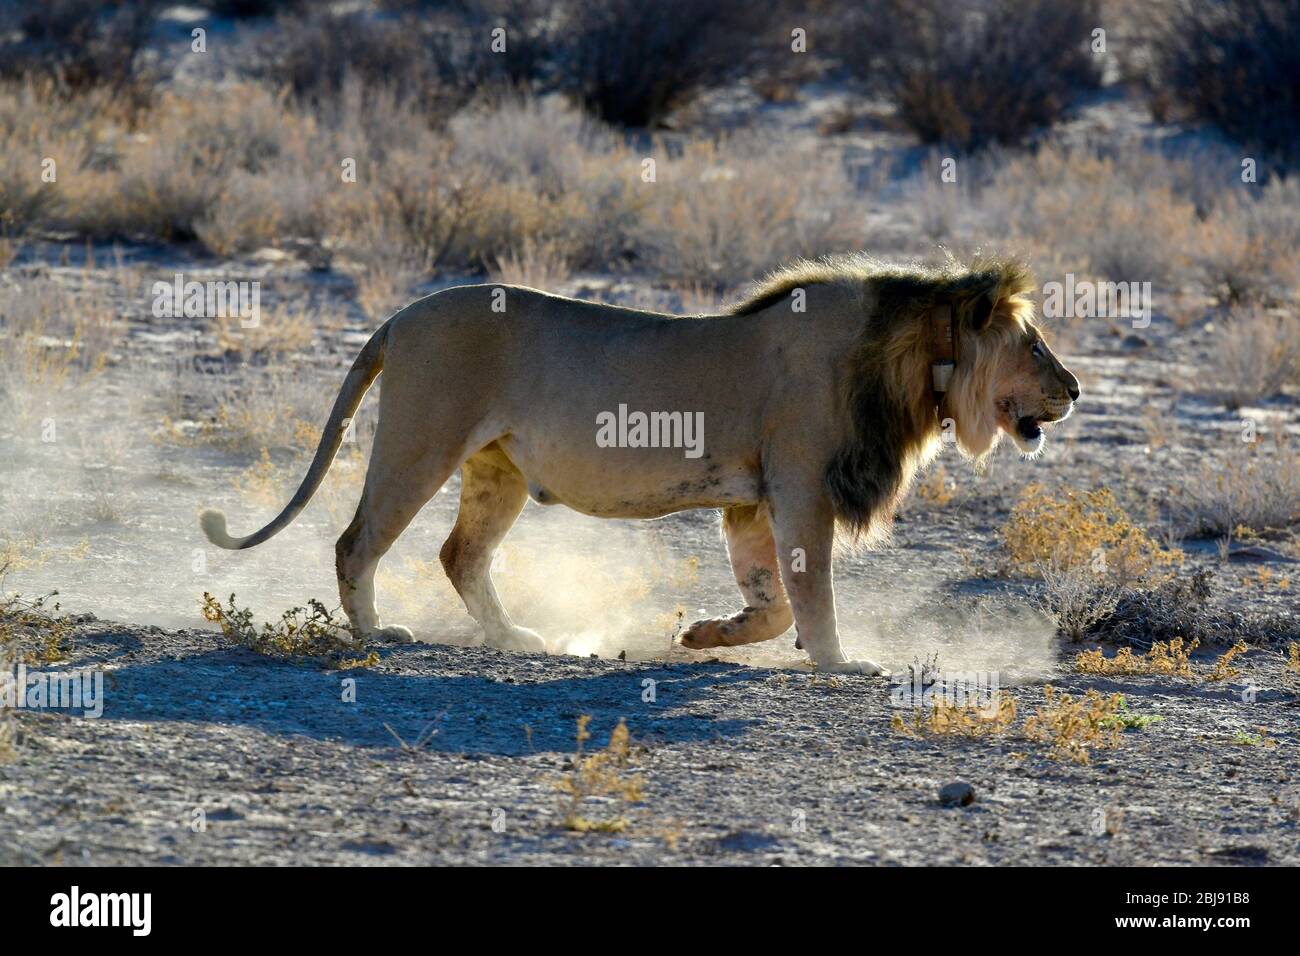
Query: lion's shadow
[(458, 713)]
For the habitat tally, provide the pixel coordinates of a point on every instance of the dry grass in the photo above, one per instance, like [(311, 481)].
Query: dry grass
[(312, 632), (736, 208), (936, 487), (1223, 668), (248, 408), (1257, 488), (33, 630), (597, 779), (1088, 530), (1254, 355), (1076, 598), (1168, 659), (1073, 727), (533, 264), (946, 719), (56, 338), (286, 327)]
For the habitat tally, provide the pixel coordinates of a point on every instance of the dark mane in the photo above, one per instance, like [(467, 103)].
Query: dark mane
[(886, 396), (912, 280)]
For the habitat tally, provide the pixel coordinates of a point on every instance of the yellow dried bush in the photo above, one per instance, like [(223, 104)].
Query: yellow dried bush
[(1172, 659), (602, 774), (1074, 726), (1077, 529), (945, 719)]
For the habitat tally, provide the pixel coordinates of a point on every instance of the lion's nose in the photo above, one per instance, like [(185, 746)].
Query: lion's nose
[(1073, 389)]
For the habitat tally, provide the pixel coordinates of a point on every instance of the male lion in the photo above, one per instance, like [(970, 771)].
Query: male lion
[(816, 393)]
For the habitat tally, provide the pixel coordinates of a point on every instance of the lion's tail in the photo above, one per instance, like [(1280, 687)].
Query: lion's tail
[(364, 371)]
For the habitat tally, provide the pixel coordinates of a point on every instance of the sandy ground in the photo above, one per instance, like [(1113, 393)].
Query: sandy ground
[(737, 764)]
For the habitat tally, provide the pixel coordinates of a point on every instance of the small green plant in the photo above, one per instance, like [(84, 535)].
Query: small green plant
[(1261, 739), (310, 632), (604, 774), (1125, 719)]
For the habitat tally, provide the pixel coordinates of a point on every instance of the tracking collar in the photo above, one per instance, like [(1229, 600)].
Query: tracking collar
[(943, 348)]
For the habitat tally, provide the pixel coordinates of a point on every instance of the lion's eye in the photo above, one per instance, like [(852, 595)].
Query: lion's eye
[(1038, 349)]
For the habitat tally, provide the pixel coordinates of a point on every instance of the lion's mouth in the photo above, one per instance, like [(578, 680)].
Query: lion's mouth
[(1029, 428)]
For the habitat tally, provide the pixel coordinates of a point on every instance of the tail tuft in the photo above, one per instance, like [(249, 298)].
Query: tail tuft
[(213, 523)]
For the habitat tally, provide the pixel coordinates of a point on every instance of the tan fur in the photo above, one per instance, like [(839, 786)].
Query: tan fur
[(812, 419)]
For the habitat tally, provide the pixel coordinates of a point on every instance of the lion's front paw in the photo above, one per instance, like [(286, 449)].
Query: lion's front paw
[(870, 668), (517, 639), (392, 634), (701, 635)]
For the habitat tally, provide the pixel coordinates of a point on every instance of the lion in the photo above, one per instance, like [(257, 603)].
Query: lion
[(816, 401)]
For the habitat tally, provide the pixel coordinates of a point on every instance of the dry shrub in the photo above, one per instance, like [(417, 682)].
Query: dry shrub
[(385, 262), (313, 55), (599, 777), (1233, 63), (734, 208), (32, 630), (249, 408), (525, 139), (440, 54), (1168, 659), (238, 171), (1071, 726), (543, 171), (80, 44), (1254, 355), (1076, 598), (631, 63), (1236, 265), (1074, 726), (1256, 488), (55, 340), (416, 212), (525, 173), (1083, 530), (38, 123), (1182, 607), (982, 72), (284, 327), (1119, 217), (312, 632), (947, 719), (533, 264), (1164, 659), (938, 208), (1223, 668)]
